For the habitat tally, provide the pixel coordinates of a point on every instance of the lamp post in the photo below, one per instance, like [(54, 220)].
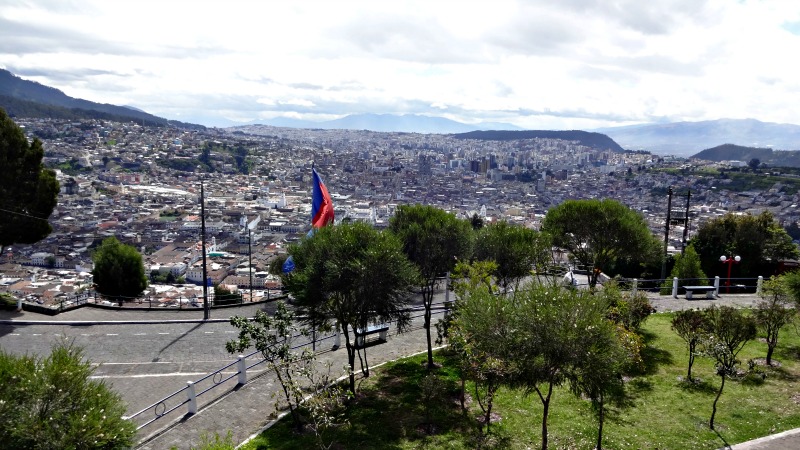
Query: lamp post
[(730, 262)]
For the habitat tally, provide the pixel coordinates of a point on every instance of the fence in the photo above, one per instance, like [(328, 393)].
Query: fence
[(675, 286), (188, 395)]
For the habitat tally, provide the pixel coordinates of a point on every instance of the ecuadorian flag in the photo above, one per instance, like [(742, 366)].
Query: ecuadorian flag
[(321, 203), (321, 211)]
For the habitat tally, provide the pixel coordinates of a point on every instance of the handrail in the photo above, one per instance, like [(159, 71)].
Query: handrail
[(160, 409)]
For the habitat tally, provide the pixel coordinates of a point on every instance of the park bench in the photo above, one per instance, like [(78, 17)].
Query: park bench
[(709, 290), (381, 329)]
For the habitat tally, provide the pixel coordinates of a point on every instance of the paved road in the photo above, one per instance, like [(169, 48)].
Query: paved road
[(146, 361)]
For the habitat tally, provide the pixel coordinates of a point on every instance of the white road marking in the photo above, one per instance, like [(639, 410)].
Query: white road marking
[(163, 333), (37, 334), (173, 374), (14, 334), (112, 334), (140, 334), (208, 332)]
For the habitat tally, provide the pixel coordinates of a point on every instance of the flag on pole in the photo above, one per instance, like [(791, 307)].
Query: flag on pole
[(321, 203), (321, 212)]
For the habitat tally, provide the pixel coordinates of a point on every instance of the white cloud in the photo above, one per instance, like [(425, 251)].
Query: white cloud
[(539, 64)]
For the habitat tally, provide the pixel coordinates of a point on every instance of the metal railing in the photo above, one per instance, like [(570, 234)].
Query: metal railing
[(194, 389)]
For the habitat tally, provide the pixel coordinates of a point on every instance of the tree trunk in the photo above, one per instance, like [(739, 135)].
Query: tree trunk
[(351, 357), (691, 362), (770, 350), (463, 394), (714, 409), (545, 412), (427, 300), (488, 411), (601, 413)]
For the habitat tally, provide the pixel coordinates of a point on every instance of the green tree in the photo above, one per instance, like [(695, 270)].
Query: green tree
[(354, 275), (598, 374), (729, 329), (276, 265), (51, 403), (773, 313), (687, 269), (554, 329), (478, 334), (759, 240), (28, 191), (476, 221), (272, 336), (118, 269), (434, 241), (690, 325), (515, 249), (626, 308), (598, 233), (224, 296)]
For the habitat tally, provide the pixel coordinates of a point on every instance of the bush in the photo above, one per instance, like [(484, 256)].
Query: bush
[(8, 302), (50, 403)]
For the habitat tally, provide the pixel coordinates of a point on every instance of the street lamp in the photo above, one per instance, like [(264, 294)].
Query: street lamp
[(730, 262)]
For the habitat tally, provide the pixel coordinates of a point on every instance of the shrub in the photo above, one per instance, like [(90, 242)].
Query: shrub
[(50, 403)]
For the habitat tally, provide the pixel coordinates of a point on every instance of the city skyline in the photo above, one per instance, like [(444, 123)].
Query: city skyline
[(571, 65)]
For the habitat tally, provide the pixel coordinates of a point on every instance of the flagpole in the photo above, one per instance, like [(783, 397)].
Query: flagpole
[(206, 311)]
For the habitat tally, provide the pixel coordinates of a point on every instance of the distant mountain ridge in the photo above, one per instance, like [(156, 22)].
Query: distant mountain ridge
[(731, 152), (31, 99), (594, 140), (391, 123), (688, 138)]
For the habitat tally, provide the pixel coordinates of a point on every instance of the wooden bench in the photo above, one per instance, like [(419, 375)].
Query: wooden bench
[(381, 329), (709, 290)]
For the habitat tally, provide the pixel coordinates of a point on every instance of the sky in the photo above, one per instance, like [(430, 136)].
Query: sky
[(566, 64)]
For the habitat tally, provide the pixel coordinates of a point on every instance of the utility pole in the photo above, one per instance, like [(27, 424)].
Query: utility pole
[(666, 235), (206, 309), (686, 222), (250, 253)]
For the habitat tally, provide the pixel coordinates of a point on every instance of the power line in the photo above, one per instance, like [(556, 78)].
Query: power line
[(22, 214)]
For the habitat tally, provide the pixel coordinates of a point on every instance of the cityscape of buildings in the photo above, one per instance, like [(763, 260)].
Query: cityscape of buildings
[(123, 180)]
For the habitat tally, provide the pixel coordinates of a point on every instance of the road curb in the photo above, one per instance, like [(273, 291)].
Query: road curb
[(107, 322)]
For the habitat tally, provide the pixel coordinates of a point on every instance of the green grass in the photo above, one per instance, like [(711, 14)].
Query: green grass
[(660, 411)]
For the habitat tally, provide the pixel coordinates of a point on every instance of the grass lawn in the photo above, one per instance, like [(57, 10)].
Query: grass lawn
[(660, 411)]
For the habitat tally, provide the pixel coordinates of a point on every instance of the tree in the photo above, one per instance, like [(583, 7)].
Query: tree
[(773, 313), (224, 296), (729, 329), (51, 403), (118, 269), (478, 334), (598, 233), (598, 374), (272, 336), (28, 191), (354, 275), (434, 241), (687, 269), (691, 326), (754, 163), (476, 221), (515, 250), (553, 332), (759, 240)]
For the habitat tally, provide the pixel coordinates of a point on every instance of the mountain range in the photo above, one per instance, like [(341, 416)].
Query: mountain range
[(26, 98), (688, 138), (410, 123)]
